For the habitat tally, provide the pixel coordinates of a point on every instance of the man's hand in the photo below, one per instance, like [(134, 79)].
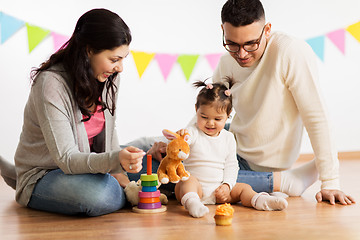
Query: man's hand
[(158, 150), (334, 195)]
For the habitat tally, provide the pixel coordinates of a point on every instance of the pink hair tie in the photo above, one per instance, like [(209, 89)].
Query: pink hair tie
[(209, 86), (227, 92)]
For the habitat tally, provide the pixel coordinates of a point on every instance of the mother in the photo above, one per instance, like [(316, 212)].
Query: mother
[(68, 145)]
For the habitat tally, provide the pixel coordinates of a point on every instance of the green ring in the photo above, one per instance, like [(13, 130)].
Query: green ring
[(149, 183)]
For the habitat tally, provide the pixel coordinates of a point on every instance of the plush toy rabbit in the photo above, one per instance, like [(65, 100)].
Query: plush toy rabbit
[(171, 168)]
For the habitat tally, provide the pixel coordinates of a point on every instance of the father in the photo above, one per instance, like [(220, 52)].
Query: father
[(276, 93)]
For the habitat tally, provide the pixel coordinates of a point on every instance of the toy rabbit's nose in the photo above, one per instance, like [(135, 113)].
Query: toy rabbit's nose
[(182, 155)]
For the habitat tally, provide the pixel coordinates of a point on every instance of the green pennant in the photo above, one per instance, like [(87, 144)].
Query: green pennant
[(187, 63), (35, 35)]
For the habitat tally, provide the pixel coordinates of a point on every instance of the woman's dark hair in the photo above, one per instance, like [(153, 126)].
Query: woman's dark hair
[(218, 95), (96, 30), (242, 12)]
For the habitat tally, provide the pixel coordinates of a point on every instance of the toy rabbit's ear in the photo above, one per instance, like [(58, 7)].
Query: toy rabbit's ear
[(187, 138), (170, 135)]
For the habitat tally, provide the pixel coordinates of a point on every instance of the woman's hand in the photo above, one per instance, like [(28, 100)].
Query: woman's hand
[(131, 159), (122, 179)]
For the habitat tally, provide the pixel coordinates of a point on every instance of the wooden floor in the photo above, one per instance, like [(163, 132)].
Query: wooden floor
[(303, 219)]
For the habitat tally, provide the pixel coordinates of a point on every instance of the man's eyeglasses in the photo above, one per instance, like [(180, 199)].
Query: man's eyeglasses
[(249, 46)]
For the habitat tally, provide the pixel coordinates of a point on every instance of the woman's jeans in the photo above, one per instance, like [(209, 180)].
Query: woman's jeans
[(259, 181), (89, 194)]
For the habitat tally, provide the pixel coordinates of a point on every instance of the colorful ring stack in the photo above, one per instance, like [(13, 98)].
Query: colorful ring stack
[(149, 196)]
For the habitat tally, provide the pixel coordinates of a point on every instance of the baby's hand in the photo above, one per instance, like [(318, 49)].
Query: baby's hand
[(182, 132), (222, 194)]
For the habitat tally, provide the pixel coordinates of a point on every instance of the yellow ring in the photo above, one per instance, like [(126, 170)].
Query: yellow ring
[(149, 178)]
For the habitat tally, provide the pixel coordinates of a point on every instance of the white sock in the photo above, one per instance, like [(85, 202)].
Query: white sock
[(279, 194), (295, 181), (192, 203), (263, 201)]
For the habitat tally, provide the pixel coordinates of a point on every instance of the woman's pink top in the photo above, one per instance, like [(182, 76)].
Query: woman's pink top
[(95, 125)]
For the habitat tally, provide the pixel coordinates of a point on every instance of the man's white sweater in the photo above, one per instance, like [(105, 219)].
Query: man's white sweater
[(273, 100)]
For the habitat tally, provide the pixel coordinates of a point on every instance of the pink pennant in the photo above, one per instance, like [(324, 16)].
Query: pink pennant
[(338, 38), (166, 62), (59, 40), (213, 59)]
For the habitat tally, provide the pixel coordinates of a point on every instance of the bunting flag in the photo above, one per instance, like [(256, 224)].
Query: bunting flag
[(166, 62), (58, 40), (187, 63), (354, 30), (338, 38), (35, 35), (9, 25), (317, 44), (1, 14), (213, 59), (142, 60)]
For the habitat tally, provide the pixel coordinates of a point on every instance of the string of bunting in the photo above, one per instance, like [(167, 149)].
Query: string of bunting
[(9, 25)]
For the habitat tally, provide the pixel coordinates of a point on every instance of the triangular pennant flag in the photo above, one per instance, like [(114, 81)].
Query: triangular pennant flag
[(35, 35), (166, 62), (58, 40), (142, 60), (354, 30), (187, 63), (213, 59), (317, 44), (338, 38), (0, 24), (9, 26)]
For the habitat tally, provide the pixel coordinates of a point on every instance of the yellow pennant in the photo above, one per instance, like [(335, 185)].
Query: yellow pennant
[(142, 60), (354, 30)]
